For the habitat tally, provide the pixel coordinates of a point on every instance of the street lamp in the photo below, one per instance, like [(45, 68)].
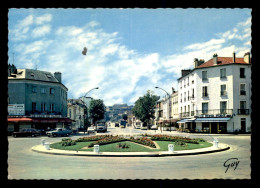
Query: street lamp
[(169, 96), (86, 107)]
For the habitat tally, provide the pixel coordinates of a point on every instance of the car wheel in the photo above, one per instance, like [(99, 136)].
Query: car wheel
[(54, 135), (14, 135), (67, 134), (33, 135)]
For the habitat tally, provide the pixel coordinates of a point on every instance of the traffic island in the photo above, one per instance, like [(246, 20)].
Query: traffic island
[(153, 146), (212, 149)]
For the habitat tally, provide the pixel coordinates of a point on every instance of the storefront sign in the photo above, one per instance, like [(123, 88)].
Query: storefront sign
[(16, 109)]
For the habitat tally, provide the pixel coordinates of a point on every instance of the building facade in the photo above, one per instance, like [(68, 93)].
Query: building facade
[(41, 96), (76, 112), (215, 96)]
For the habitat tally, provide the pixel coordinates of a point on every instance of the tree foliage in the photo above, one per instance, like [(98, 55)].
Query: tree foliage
[(96, 110), (144, 107)]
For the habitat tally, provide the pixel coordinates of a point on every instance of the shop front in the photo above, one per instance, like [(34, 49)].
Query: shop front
[(212, 125), (15, 124)]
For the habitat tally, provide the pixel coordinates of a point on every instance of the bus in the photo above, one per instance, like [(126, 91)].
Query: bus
[(122, 123)]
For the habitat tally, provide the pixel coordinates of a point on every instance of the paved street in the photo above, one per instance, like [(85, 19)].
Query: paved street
[(26, 164)]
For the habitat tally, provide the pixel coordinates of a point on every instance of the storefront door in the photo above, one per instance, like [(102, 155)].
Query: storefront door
[(214, 127)]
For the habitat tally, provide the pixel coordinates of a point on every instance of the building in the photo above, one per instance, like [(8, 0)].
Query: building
[(76, 112), (36, 99), (215, 96), (166, 111)]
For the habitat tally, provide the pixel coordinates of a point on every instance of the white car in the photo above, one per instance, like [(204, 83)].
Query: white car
[(154, 127)]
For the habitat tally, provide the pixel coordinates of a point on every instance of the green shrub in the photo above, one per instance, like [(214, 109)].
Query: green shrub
[(67, 142), (180, 143)]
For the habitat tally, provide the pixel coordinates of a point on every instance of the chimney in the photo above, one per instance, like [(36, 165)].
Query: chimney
[(196, 62), (57, 75), (185, 72), (215, 59), (234, 57), (247, 57)]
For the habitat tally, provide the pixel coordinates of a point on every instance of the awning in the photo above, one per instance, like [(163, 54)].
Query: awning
[(20, 119), (212, 119), (40, 120), (182, 121), (186, 120)]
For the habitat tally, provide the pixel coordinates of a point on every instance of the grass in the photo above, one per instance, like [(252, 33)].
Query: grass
[(164, 145), (132, 147)]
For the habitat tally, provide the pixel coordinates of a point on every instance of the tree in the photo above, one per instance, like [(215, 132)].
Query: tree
[(144, 107), (96, 110)]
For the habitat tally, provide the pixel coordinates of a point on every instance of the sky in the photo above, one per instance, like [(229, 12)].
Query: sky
[(129, 51)]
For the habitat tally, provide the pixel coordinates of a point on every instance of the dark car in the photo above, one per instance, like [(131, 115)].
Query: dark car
[(26, 132)]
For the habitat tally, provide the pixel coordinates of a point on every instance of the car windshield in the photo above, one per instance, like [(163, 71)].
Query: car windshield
[(100, 125)]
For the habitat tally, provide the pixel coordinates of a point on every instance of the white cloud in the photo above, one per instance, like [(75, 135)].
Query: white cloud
[(44, 18), (41, 31)]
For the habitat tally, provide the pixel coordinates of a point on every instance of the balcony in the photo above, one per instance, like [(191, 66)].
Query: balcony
[(184, 114), (242, 111), (216, 112)]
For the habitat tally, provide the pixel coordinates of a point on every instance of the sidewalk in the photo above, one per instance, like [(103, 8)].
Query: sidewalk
[(42, 149)]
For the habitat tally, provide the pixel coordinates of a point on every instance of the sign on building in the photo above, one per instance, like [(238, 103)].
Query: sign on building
[(16, 110)]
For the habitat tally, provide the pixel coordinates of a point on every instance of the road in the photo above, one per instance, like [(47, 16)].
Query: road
[(26, 164)]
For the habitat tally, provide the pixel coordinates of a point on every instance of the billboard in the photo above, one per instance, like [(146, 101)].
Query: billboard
[(16, 110)]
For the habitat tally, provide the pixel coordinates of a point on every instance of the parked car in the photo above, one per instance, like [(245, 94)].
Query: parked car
[(59, 132), (26, 132), (154, 127), (143, 127), (116, 124)]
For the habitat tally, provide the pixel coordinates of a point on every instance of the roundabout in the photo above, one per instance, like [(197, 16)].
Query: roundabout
[(118, 146)]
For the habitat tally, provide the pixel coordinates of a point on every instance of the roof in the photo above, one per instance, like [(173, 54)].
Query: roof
[(222, 61), (32, 74)]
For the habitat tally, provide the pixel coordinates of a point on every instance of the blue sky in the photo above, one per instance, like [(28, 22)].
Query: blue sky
[(130, 51)]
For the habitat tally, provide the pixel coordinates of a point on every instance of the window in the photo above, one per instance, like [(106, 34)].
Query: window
[(43, 107), (34, 89), (204, 75), (52, 107), (204, 91), (223, 107), (184, 96), (192, 96), (188, 95), (181, 97), (69, 113), (34, 107), (223, 73), (192, 81), (204, 108), (223, 90), (243, 105), (43, 90), (242, 73), (242, 89), (51, 90)]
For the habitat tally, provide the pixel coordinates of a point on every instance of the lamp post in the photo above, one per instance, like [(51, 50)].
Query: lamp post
[(86, 107), (169, 96)]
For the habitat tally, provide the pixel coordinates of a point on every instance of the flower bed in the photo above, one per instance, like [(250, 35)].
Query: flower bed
[(143, 140), (174, 139), (92, 138), (108, 140)]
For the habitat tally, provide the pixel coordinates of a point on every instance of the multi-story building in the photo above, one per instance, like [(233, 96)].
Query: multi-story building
[(76, 112), (36, 99), (215, 96)]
